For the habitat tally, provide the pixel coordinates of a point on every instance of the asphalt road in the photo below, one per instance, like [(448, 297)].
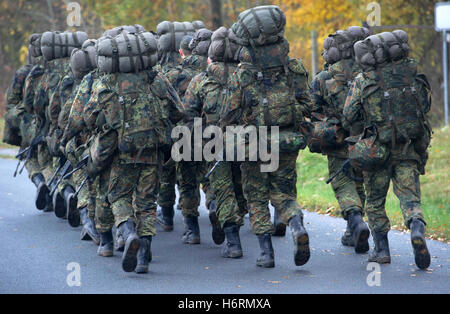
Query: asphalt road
[(37, 247)]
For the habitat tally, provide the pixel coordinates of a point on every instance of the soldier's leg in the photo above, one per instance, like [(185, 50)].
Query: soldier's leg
[(346, 192), (283, 196), (122, 184), (104, 218), (166, 198), (406, 183), (87, 215), (377, 186), (256, 186), (238, 191), (43, 200), (146, 194), (222, 184)]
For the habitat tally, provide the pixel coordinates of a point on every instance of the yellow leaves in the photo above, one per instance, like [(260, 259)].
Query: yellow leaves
[(23, 52)]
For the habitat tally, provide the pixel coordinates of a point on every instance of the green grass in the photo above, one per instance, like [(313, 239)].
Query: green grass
[(2, 127), (315, 195)]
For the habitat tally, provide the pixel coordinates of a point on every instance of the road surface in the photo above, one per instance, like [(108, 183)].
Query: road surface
[(36, 249)]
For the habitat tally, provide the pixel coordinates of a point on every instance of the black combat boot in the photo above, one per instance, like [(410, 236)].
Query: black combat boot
[(218, 234), (120, 242), (58, 205), (191, 230), (144, 256), (421, 254), (380, 253), (301, 240), (165, 218), (106, 247), (70, 202), (280, 227), (267, 258), (89, 231), (129, 257), (42, 193), (232, 248), (360, 231), (347, 238)]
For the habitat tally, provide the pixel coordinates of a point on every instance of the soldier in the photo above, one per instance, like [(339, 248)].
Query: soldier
[(270, 89), (206, 100), (329, 90), (393, 101), (135, 112), (166, 197)]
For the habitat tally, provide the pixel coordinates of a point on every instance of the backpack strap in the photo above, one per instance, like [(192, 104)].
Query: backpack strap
[(130, 53), (173, 39), (115, 56), (389, 108)]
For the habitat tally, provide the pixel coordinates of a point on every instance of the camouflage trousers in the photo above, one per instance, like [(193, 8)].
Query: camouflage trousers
[(405, 178), (166, 196), (278, 187), (27, 133), (45, 161), (350, 194), (226, 184), (190, 176), (104, 217), (132, 192)]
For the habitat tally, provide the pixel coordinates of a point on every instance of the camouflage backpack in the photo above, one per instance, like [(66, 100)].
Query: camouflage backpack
[(139, 113), (268, 76), (395, 102)]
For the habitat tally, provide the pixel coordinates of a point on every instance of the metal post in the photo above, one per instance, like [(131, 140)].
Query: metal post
[(315, 61), (445, 65)]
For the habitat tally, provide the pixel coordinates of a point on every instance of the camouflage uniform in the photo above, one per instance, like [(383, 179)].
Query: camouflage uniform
[(278, 187), (134, 179), (402, 166), (328, 92), (30, 89), (202, 99)]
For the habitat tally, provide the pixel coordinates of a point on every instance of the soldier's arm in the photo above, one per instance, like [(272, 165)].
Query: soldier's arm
[(233, 108), (353, 105), (317, 92), (192, 101)]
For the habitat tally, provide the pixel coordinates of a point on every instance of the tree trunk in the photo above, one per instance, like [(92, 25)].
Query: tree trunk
[(216, 13)]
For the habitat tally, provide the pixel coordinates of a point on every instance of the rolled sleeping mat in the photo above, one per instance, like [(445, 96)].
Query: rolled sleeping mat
[(56, 45), (224, 46), (127, 52), (200, 42), (119, 29), (84, 60), (171, 34)]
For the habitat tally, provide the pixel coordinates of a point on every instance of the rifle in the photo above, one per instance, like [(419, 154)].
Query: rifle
[(345, 168), (212, 169), (61, 162), (81, 186), (66, 167), (27, 153), (81, 164)]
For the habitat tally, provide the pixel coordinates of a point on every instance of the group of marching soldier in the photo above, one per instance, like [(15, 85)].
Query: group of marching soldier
[(93, 119)]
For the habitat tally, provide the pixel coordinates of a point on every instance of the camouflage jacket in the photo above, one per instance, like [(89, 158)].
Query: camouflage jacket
[(359, 106), (244, 96), (75, 121), (170, 61), (70, 85), (183, 74), (61, 92), (32, 82), (107, 99), (206, 94), (15, 93), (329, 90)]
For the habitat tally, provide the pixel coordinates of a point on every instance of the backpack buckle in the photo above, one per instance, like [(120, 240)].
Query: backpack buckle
[(386, 95), (413, 90), (260, 76), (265, 101), (121, 100)]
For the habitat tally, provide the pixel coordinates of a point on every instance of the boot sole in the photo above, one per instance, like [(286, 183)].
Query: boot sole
[(232, 255), (141, 269), (381, 260), (59, 206), (266, 265), (421, 254), (73, 215), (361, 240), (41, 197), (280, 230), (347, 241), (106, 254), (129, 258), (218, 235), (302, 252), (166, 227)]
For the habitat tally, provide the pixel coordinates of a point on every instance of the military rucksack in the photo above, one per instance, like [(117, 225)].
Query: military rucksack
[(140, 113), (396, 103), (269, 77)]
